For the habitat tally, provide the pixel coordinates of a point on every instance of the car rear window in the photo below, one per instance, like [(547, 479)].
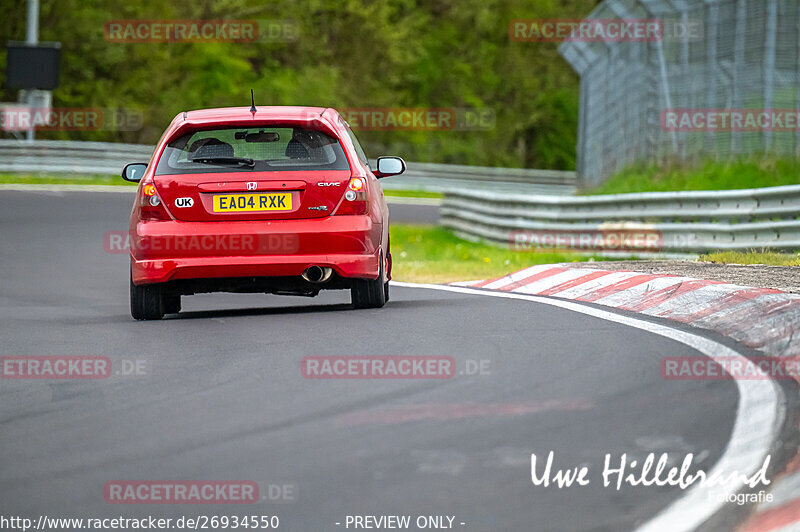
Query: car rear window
[(253, 149)]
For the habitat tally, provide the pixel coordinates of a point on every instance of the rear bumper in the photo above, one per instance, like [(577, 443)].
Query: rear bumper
[(162, 251)]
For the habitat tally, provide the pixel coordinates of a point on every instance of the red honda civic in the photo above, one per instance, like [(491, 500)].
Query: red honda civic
[(277, 200)]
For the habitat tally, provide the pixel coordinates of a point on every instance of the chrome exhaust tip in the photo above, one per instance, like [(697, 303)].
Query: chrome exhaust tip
[(317, 274)]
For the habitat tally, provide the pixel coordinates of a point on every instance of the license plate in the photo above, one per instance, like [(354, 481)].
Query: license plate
[(252, 202)]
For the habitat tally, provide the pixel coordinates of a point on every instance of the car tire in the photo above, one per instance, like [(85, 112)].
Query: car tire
[(367, 293), (388, 267), (147, 302), (172, 304)]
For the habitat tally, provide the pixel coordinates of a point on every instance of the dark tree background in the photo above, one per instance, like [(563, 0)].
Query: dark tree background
[(349, 53)]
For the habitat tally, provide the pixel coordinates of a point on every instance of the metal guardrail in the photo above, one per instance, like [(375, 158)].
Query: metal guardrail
[(684, 222), (108, 158), (71, 157), (498, 204)]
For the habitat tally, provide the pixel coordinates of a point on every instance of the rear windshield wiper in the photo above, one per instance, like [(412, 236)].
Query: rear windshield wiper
[(245, 161)]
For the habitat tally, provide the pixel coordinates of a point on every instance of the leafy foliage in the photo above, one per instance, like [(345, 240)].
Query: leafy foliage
[(350, 53)]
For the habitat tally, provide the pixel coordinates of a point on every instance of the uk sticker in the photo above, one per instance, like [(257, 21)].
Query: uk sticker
[(184, 202)]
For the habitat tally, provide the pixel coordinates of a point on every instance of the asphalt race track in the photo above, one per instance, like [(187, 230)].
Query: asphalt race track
[(222, 397)]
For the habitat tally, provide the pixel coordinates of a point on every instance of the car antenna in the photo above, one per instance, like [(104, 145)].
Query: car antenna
[(252, 102)]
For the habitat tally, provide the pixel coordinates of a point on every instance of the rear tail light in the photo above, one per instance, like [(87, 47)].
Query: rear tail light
[(150, 205), (356, 184), (355, 199)]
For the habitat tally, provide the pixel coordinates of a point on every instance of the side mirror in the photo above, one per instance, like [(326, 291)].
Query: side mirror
[(389, 166), (134, 172)]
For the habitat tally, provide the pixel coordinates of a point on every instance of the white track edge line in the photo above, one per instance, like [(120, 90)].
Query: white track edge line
[(759, 415)]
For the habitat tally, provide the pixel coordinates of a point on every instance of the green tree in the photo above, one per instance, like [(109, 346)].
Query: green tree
[(349, 53)]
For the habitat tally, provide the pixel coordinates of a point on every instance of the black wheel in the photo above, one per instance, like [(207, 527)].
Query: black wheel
[(367, 293), (147, 302), (172, 304)]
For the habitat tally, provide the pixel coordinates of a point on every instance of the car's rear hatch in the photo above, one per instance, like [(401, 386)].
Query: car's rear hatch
[(281, 195)]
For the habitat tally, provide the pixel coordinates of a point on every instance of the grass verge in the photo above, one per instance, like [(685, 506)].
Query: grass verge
[(710, 175), (753, 257), (429, 254), (412, 194)]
